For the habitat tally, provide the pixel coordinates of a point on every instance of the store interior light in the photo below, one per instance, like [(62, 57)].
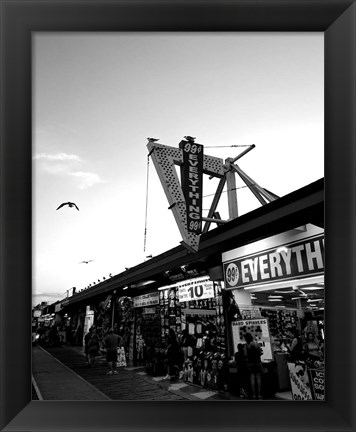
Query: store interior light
[(125, 287), (312, 288), (275, 296), (282, 249), (143, 283), (282, 285), (274, 300)]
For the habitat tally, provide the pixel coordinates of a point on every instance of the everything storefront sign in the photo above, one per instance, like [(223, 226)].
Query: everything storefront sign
[(146, 300), (298, 259)]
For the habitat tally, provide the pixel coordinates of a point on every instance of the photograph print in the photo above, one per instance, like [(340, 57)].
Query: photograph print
[(169, 260)]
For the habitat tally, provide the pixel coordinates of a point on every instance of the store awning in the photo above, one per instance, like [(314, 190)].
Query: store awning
[(306, 205)]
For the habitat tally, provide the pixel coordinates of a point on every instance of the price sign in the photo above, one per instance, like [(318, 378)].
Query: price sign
[(196, 291), (317, 380)]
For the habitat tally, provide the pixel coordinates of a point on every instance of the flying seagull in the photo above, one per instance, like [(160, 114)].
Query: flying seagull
[(153, 139), (69, 204), (85, 262), (189, 138)]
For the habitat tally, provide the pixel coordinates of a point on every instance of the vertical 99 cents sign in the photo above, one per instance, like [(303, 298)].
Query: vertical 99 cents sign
[(192, 183)]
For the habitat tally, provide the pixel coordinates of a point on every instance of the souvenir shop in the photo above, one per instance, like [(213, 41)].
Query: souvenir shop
[(278, 284), (194, 310)]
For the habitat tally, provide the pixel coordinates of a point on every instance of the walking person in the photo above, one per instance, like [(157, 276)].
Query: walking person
[(173, 355), (86, 346), (185, 343), (111, 342), (254, 365), (296, 350), (93, 347), (312, 347), (243, 375)]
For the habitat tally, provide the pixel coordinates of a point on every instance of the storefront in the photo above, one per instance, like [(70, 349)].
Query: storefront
[(240, 261), (194, 310), (278, 284)]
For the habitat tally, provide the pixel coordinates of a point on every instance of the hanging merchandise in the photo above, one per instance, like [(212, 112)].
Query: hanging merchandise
[(282, 323), (121, 358), (191, 328), (199, 322)]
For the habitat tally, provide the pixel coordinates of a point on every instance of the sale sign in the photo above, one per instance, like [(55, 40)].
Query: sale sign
[(196, 290)]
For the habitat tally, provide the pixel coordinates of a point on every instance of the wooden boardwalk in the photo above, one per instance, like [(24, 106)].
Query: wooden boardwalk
[(129, 384)]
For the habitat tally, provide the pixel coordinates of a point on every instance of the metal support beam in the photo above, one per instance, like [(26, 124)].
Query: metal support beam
[(212, 220), (255, 189), (215, 202), (243, 153), (231, 190)]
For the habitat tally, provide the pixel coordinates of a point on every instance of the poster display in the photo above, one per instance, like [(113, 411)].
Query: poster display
[(146, 300), (300, 383), (258, 329)]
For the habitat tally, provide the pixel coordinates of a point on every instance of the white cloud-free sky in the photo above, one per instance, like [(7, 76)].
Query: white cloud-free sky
[(98, 96)]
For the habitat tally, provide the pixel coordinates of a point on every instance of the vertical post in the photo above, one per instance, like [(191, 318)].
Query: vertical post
[(113, 301)]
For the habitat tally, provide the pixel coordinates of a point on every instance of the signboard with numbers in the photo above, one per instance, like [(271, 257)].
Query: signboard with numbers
[(298, 259), (192, 183), (196, 290), (317, 382)]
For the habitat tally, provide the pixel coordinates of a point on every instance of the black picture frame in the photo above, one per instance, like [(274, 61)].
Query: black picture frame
[(18, 20)]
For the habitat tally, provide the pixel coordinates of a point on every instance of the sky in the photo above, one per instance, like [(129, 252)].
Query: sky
[(98, 96)]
